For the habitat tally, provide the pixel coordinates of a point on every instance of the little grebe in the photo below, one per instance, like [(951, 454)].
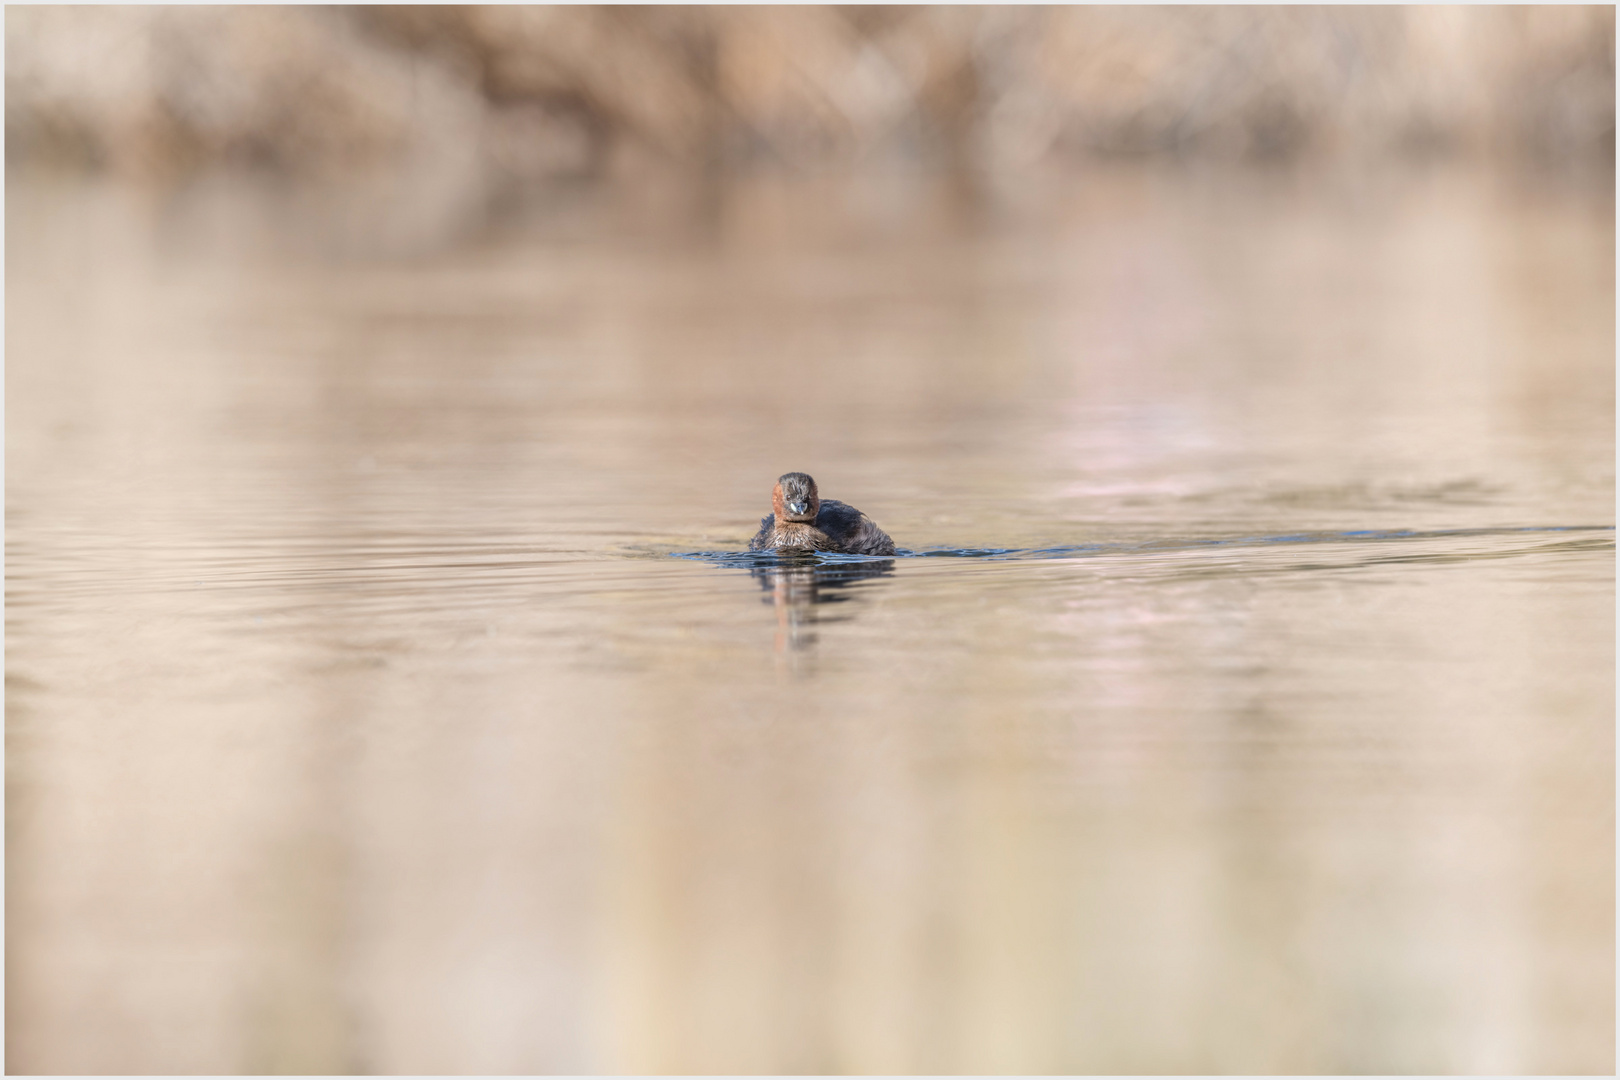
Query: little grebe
[(803, 521)]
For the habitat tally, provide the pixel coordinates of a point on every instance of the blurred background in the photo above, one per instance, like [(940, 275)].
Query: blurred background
[(1246, 375), (527, 94), (532, 94)]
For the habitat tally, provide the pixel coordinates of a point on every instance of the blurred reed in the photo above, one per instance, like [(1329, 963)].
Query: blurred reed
[(583, 92)]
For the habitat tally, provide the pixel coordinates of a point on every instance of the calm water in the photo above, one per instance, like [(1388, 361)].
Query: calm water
[(385, 690)]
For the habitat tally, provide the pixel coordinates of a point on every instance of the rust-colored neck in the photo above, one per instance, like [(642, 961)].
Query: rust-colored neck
[(779, 506)]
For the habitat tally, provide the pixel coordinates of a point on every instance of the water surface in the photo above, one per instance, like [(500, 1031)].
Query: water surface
[(388, 688)]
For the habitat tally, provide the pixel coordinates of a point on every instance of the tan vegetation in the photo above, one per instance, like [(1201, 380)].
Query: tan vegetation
[(580, 91)]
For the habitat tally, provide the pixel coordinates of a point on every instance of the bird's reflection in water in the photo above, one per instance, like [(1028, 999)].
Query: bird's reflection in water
[(799, 588)]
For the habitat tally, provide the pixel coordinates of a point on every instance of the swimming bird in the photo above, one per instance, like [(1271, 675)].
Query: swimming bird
[(802, 521)]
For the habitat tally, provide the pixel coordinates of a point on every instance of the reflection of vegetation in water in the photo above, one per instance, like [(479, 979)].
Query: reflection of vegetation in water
[(401, 562), (797, 587)]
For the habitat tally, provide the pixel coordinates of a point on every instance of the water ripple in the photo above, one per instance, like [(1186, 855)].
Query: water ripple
[(759, 559)]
